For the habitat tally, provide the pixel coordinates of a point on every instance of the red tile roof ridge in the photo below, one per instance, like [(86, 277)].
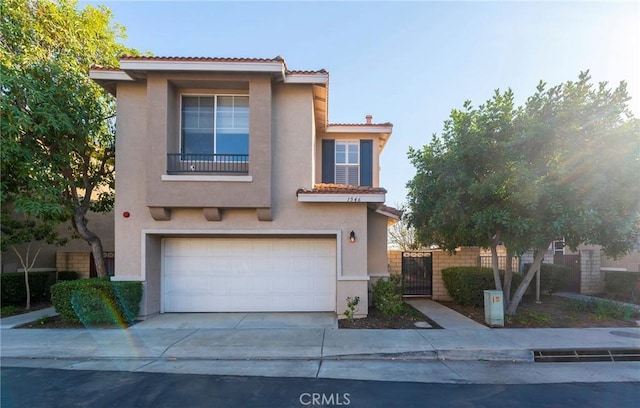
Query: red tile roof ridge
[(101, 68), (361, 124), (390, 210), (325, 188), (307, 72), (203, 59)]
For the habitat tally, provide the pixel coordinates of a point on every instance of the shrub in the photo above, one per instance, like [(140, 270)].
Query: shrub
[(352, 307), (553, 277), (603, 309), (387, 295), (129, 295), (620, 285), (96, 301), (14, 292), (467, 284), (68, 275)]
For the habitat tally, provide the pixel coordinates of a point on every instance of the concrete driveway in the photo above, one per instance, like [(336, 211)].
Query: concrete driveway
[(239, 321)]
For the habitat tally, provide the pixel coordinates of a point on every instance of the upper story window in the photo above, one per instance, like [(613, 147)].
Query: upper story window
[(558, 247), (215, 125), (347, 162)]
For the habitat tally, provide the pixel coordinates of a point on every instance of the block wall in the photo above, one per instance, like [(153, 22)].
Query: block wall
[(591, 279), (467, 256), (79, 262)]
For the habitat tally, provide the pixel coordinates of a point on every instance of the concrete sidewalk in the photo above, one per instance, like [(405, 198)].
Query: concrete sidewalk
[(417, 355)]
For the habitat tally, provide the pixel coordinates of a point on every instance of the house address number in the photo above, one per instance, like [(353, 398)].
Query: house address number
[(353, 199)]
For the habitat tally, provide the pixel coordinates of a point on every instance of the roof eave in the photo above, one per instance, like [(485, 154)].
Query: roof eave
[(108, 79), (211, 66)]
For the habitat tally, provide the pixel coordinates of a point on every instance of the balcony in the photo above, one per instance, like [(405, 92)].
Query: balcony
[(181, 163)]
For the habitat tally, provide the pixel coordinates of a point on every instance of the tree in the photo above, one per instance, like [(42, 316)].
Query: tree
[(35, 233), (563, 165), (57, 125), (402, 236)]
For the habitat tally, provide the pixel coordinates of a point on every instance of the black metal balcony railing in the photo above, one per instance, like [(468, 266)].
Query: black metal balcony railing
[(207, 163)]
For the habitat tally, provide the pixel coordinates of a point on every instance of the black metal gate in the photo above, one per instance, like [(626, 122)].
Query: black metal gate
[(573, 262), (417, 273)]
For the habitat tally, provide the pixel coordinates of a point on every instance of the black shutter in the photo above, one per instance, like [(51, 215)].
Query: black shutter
[(366, 163), (328, 161)]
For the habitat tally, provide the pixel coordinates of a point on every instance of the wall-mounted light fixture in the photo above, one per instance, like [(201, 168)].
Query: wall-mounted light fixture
[(126, 214), (352, 237)]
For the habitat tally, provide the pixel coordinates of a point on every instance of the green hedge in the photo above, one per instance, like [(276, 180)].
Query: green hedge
[(14, 292), (553, 277), (387, 295), (97, 301), (68, 275), (620, 284), (466, 285)]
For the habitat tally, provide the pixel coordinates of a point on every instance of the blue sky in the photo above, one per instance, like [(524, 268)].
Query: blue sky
[(408, 63)]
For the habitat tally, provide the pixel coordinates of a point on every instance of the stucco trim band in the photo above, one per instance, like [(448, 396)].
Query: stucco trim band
[(341, 198), (271, 67), (353, 278), (234, 179)]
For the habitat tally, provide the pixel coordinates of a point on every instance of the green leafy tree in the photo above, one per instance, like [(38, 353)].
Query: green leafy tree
[(563, 165), (57, 125)]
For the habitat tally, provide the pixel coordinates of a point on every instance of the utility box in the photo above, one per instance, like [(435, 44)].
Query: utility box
[(493, 308)]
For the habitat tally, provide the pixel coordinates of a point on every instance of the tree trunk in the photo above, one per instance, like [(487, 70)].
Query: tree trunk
[(24, 261), (517, 297), (494, 264), (80, 225), (508, 275)]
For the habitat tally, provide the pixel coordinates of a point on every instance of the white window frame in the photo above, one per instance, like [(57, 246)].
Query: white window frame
[(351, 165), (558, 251), (215, 119)]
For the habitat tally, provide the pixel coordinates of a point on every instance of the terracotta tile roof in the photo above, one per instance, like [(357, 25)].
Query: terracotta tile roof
[(203, 59), (215, 59), (340, 189), (101, 68), (385, 124), (390, 210), (298, 72)]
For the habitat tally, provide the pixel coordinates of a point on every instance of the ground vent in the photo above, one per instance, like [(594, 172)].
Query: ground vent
[(585, 355)]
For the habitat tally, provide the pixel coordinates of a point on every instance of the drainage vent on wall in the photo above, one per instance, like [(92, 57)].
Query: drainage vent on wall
[(585, 356)]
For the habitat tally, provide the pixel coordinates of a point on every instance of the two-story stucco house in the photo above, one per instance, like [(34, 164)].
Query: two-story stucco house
[(235, 194)]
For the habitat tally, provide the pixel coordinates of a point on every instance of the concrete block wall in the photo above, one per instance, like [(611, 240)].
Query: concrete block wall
[(394, 262), (467, 256), (79, 262), (592, 279)]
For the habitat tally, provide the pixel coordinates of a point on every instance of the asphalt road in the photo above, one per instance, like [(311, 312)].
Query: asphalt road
[(38, 387)]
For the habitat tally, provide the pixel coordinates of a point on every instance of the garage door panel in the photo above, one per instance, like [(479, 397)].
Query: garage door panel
[(211, 274)]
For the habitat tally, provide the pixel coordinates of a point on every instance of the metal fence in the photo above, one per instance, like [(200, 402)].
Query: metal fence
[(207, 163), (485, 261)]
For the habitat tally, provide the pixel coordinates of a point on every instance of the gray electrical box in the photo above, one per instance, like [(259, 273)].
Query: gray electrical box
[(493, 308)]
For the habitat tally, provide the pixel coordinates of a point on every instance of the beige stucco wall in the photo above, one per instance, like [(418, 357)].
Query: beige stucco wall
[(164, 91), (377, 248), (350, 137), (290, 167)]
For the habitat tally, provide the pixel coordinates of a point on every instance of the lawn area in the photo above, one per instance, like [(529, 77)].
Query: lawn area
[(556, 312)]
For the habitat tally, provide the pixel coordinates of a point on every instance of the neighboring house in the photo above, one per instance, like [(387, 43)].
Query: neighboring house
[(235, 194), (588, 264), (74, 256)]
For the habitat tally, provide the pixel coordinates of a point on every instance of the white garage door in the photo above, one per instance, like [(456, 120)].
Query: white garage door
[(249, 275)]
